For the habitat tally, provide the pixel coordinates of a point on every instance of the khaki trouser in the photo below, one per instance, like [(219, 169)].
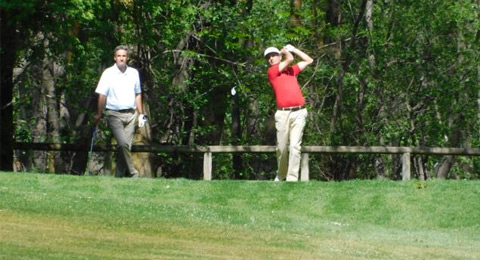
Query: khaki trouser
[(289, 125), (123, 129)]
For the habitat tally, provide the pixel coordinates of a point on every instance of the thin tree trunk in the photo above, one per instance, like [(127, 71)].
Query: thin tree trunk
[(338, 100), (80, 158), (455, 122), (39, 131), (318, 24), (379, 160), (185, 120), (237, 134), (53, 122), (295, 6), (237, 129), (143, 161), (369, 19), (143, 135), (7, 56), (345, 66), (445, 166), (418, 166)]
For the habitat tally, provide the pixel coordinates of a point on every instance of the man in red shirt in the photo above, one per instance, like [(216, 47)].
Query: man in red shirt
[(291, 115)]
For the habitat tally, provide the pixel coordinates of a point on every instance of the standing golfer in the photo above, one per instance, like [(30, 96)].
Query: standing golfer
[(119, 88), (291, 114)]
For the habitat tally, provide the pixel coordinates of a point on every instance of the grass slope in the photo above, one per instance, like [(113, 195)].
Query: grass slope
[(72, 217)]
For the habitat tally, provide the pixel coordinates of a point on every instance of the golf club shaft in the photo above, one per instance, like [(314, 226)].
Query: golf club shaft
[(94, 131)]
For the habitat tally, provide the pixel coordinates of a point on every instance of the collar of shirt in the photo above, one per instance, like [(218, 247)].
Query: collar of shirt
[(119, 71)]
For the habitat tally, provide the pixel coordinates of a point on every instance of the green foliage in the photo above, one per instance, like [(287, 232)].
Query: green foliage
[(410, 80)]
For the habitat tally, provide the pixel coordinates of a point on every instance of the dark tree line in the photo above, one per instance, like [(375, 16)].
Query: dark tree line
[(396, 73)]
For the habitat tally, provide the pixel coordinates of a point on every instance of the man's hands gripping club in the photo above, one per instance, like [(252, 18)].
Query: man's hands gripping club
[(306, 59), (289, 47)]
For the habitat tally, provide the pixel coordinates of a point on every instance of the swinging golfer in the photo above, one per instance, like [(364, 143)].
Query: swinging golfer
[(291, 114), (119, 88)]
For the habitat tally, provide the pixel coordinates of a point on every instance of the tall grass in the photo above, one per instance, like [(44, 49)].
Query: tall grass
[(72, 217)]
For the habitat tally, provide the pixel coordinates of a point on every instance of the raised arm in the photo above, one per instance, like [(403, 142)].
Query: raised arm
[(306, 59), (288, 58)]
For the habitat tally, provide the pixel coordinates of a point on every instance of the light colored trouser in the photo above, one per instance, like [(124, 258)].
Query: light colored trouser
[(289, 127), (123, 129)]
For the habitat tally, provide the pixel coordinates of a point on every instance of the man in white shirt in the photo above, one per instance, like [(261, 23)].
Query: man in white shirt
[(120, 93)]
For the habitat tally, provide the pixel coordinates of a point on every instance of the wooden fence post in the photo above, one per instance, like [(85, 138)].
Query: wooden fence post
[(207, 166), (304, 172), (406, 167)]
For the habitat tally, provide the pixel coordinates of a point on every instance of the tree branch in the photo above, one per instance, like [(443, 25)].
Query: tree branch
[(243, 64)]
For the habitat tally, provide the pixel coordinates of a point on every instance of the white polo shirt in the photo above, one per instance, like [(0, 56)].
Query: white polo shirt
[(119, 87)]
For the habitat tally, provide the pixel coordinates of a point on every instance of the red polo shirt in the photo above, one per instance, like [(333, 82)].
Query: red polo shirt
[(285, 85)]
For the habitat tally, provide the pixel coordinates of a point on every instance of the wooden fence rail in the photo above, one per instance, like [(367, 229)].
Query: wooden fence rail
[(208, 152)]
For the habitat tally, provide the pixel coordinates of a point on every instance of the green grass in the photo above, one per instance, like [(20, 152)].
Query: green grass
[(71, 217)]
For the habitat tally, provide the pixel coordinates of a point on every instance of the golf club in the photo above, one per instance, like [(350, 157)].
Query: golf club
[(94, 132)]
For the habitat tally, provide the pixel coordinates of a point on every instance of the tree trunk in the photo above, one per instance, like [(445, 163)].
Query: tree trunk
[(418, 164), (143, 161), (318, 24), (456, 121), (369, 19), (53, 122), (445, 166), (379, 160), (39, 131), (176, 123), (84, 133), (295, 6), (7, 56), (338, 100), (345, 66), (237, 129), (237, 135), (143, 135), (454, 141)]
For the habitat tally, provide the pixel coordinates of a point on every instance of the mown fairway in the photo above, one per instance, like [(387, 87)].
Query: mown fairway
[(70, 217)]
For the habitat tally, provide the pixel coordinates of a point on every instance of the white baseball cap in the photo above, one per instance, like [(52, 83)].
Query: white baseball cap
[(270, 50)]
